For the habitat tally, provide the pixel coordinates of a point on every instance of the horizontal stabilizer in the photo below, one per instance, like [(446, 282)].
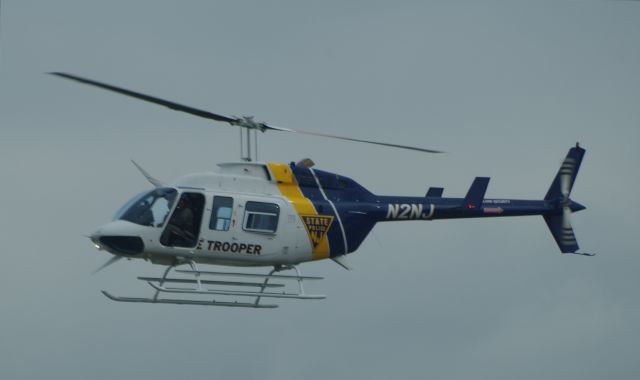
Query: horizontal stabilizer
[(476, 192), (435, 192)]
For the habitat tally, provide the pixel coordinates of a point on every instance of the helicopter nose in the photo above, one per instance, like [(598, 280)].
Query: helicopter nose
[(115, 238), (123, 245)]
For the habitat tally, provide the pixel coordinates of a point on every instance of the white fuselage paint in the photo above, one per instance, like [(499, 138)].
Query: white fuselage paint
[(243, 182)]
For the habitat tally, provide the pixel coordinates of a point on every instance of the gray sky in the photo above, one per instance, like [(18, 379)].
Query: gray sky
[(505, 87)]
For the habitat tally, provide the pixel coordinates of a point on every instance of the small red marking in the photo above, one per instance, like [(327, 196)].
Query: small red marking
[(470, 206)]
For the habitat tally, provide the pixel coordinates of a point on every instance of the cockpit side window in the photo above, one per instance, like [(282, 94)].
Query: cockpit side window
[(221, 213), (261, 217), (150, 208), (183, 228)]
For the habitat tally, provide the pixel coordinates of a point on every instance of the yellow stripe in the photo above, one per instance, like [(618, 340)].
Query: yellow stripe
[(303, 206)]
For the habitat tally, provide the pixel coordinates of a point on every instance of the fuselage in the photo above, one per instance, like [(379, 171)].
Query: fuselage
[(265, 214)]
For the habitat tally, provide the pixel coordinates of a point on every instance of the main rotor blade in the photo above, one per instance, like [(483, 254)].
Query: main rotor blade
[(148, 98), (271, 127), (245, 122)]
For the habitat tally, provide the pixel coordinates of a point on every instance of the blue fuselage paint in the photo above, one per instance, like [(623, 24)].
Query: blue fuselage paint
[(356, 210)]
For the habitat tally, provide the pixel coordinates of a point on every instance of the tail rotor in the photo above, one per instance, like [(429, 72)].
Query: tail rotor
[(560, 191)]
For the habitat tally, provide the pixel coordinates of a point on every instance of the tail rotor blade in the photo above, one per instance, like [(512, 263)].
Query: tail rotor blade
[(566, 173), (566, 217), (108, 263), (568, 238), (565, 185)]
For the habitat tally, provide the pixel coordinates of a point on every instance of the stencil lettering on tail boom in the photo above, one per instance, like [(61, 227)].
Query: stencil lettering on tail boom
[(405, 211)]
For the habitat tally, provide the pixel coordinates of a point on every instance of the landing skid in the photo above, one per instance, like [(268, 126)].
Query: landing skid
[(235, 290), (186, 302)]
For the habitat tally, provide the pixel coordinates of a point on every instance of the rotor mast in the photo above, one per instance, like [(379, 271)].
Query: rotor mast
[(248, 138)]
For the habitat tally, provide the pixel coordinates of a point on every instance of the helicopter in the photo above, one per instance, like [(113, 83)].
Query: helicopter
[(279, 215)]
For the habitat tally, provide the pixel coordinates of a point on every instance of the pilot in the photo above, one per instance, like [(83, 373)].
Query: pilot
[(182, 224)]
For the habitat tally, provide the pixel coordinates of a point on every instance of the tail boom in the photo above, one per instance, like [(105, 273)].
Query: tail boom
[(556, 207)]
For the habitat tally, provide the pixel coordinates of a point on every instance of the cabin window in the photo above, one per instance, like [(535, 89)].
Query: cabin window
[(221, 213), (261, 217)]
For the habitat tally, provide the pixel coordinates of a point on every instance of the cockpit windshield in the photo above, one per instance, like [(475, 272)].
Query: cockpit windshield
[(150, 208)]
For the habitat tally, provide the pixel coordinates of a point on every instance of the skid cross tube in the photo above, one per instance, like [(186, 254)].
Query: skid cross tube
[(264, 285)]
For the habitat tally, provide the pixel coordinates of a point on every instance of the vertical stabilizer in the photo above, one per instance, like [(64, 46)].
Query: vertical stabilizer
[(566, 176), (559, 192)]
